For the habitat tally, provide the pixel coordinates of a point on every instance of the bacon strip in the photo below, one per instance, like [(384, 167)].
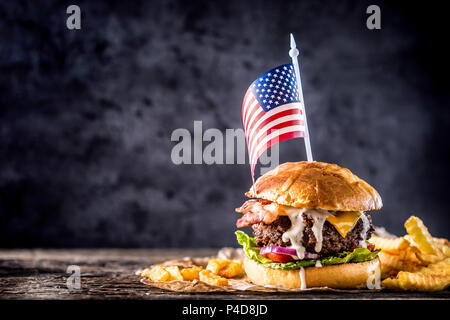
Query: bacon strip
[(256, 211)]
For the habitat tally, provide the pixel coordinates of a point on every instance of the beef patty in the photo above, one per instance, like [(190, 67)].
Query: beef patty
[(332, 242)]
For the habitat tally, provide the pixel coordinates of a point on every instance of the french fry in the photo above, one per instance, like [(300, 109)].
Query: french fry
[(391, 284), (429, 258), (421, 237), (215, 265), (424, 265), (390, 245), (445, 250), (225, 268), (191, 274), (393, 263), (175, 273), (156, 273), (443, 246), (441, 268), (232, 270), (388, 262), (216, 274), (208, 277), (409, 255), (409, 281), (441, 241), (422, 282)]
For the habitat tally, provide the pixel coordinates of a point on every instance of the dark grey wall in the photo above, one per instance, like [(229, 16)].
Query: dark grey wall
[(86, 116)]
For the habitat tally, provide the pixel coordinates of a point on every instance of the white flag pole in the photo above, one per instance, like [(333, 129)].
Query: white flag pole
[(293, 53)]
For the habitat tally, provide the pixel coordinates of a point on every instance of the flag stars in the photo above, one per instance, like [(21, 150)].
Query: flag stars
[(276, 87)]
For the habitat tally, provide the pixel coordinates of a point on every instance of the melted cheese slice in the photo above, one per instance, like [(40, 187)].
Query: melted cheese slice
[(344, 221)]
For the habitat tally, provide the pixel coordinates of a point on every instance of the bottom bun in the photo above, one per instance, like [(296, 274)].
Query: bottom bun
[(341, 276)]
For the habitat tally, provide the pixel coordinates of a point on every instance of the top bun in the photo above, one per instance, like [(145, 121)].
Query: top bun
[(316, 185)]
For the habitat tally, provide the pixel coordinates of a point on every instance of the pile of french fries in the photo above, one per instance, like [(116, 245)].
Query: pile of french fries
[(416, 261), (216, 273)]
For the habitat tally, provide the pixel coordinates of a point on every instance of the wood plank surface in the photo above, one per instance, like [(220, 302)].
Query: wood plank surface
[(109, 274)]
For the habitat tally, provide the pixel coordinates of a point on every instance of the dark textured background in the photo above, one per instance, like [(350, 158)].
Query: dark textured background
[(86, 116)]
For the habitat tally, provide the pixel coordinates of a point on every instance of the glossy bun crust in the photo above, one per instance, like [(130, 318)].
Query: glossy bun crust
[(316, 185), (341, 276)]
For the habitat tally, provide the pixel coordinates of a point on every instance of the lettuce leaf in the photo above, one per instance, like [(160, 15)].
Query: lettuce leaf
[(252, 251)]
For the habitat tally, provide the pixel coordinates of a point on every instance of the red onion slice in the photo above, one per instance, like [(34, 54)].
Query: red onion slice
[(287, 251)]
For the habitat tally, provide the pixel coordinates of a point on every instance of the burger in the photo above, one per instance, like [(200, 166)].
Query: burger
[(310, 228)]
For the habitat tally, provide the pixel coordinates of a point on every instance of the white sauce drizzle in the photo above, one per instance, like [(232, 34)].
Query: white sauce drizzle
[(319, 216), (318, 264), (295, 232), (366, 226), (302, 278), (373, 276)]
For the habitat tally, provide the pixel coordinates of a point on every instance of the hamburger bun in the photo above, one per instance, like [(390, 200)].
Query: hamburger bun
[(316, 185), (341, 276)]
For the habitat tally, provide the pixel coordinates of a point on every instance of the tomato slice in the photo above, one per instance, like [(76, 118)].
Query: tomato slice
[(276, 257), (370, 246)]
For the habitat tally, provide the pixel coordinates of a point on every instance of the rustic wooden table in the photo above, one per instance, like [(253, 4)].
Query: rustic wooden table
[(109, 274)]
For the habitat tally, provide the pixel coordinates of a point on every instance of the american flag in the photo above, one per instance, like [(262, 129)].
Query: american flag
[(272, 111)]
